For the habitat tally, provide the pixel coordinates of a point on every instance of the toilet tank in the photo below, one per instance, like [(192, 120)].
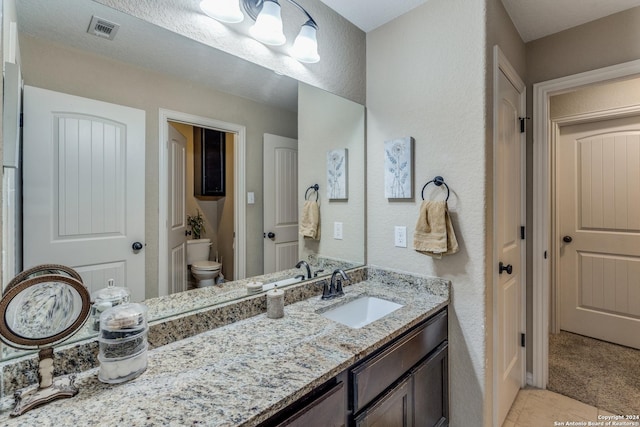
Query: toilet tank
[(198, 250)]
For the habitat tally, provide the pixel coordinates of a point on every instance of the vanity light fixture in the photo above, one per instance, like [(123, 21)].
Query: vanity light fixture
[(223, 10), (268, 24)]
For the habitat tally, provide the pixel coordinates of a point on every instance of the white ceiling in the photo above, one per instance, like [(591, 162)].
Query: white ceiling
[(370, 14), (532, 18), (539, 18)]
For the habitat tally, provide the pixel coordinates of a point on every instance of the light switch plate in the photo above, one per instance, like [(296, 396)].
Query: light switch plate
[(251, 198), (337, 230), (401, 236)]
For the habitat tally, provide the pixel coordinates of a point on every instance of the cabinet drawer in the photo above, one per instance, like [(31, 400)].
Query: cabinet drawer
[(373, 376), (327, 410)]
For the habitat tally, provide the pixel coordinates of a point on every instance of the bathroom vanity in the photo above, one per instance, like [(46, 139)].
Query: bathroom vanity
[(404, 383), (302, 367)]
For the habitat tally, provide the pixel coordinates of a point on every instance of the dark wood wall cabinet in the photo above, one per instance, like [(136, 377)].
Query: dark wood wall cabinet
[(208, 163), (405, 383)]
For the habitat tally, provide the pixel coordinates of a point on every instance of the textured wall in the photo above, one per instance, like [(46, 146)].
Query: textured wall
[(426, 79), (341, 45), (607, 41), (58, 68), (327, 122), (596, 98)]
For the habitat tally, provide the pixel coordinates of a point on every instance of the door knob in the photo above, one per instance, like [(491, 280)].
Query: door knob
[(508, 268), (567, 239), (271, 235), (136, 246)]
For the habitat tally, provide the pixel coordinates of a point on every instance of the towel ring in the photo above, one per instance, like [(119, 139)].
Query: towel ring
[(314, 187), (437, 181)]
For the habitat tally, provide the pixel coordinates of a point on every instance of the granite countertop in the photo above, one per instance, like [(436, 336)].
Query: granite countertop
[(242, 373)]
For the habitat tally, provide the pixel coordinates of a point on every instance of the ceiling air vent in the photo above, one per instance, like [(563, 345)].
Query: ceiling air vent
[(103, 28)]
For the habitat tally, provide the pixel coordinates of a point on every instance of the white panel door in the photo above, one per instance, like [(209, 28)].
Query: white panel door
[(177, 262), (280, 203), (598, 199), (84, 188), (509, 199)]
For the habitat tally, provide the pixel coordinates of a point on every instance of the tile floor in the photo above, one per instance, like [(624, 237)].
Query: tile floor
[(542, 408)]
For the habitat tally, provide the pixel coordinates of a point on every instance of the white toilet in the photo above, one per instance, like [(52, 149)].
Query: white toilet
[(203, 270)]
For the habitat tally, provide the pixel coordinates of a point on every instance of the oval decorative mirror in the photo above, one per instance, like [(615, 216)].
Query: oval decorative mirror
[(41, 307), (40, 270)]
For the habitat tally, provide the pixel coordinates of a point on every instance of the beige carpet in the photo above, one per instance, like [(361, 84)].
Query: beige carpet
[(595, 372)]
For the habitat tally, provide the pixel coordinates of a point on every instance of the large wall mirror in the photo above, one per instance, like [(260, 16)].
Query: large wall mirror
[(175, 79)]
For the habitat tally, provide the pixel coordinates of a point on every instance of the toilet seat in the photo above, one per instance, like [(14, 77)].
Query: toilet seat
[(206, 265)]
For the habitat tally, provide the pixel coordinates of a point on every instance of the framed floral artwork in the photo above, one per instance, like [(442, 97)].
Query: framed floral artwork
[(398, 168), (337, 174)]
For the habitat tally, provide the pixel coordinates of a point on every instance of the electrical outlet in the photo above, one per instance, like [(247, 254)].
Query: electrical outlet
[(337, 230), (401, 236)]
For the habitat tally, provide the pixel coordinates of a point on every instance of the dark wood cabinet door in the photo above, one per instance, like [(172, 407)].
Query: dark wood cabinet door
[(209, 147), (395, 409), (431, 391)]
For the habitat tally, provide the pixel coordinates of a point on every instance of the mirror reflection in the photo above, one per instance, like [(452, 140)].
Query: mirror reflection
[(43, 310), (183, 86)]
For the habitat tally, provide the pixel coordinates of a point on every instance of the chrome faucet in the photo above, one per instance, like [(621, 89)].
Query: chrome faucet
[(333, 289), (306, 265)]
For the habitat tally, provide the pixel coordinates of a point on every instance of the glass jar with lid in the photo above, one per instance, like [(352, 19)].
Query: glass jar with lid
[(106, 298), (123, 342)]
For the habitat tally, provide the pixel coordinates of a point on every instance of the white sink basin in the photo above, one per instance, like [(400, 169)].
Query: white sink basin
[(362, 311)]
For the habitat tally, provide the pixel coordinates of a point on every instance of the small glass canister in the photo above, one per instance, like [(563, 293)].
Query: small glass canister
[(105, 298), (123, 343)]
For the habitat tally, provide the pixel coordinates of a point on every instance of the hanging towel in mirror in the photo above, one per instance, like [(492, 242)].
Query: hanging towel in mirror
[(310, 222), (434, 235)]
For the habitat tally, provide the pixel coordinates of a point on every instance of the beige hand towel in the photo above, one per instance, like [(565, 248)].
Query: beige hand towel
[(434, 235), (310, 222)]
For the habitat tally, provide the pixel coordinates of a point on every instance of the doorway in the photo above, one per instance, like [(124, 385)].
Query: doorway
[(596, 280), (236, 206), (217, 211), (547, 237)]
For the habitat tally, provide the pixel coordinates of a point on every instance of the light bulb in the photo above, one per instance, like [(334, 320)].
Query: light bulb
[(268, 26), (223, 10), (305, 47)]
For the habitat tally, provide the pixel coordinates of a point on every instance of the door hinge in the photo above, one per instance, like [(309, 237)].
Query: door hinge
[(21, 119), (522, 233), (523, 340), (522, 123), (545, 254)]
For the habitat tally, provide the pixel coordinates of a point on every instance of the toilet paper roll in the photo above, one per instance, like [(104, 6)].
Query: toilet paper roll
[(275, 304), (254, 287)]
